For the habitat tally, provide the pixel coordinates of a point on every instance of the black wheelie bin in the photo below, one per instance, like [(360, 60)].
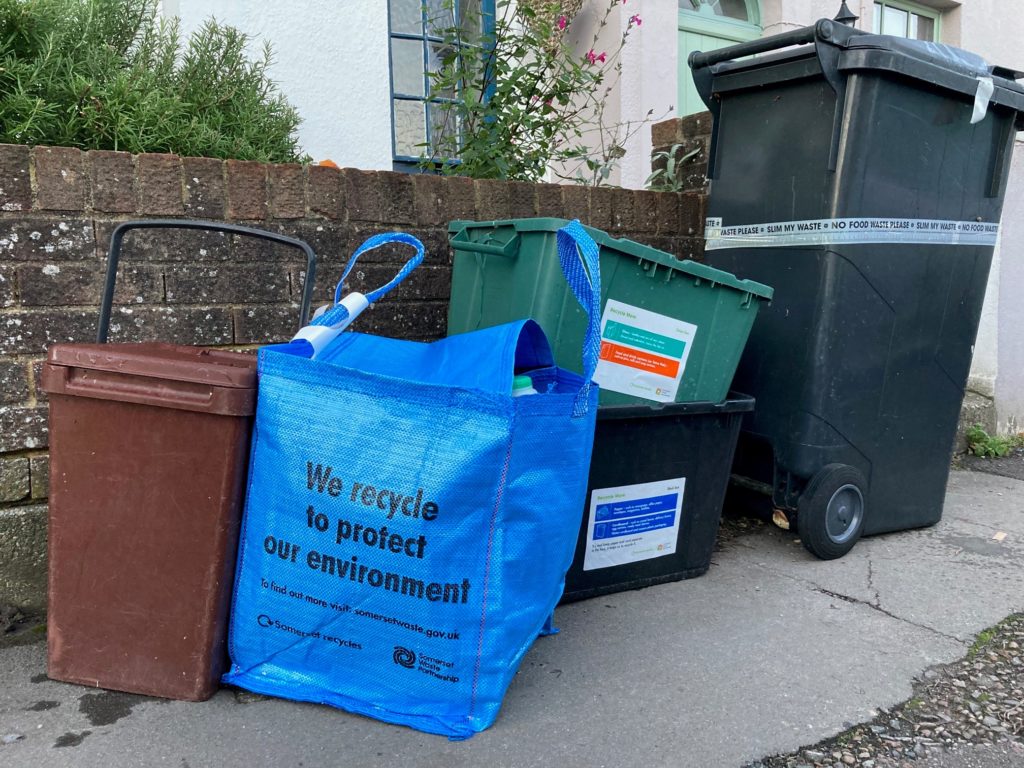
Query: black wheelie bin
[(863, 177)]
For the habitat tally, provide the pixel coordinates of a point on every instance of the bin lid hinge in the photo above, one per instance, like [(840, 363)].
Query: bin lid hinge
[(828, 55)]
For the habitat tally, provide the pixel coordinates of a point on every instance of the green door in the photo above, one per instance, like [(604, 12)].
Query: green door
[(708, 24)]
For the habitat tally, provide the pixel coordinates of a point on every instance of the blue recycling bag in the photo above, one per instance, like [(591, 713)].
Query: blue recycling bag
[(409, 523)]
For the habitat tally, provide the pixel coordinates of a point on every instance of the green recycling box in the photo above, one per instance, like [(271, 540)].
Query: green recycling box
[(671, 330)]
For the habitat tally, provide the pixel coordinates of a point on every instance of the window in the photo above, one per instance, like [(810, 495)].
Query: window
[(705, 25), (730, 9), (416, 50), (905, 20)]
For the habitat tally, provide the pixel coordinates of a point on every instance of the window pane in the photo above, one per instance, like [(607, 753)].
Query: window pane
[(405, 17), (407, 67), (733, 9), (876, 19), (444, 130), (894, 22), (441, 17), (436, 53), (438, 17), (925, 27), (410, 128), (470, 17)]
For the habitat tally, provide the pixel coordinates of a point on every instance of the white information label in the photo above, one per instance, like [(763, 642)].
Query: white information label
[(633, 522), (642, 353), (855, 230)]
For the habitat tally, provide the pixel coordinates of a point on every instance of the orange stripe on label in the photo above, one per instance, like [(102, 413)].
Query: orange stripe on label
[(643, 361)]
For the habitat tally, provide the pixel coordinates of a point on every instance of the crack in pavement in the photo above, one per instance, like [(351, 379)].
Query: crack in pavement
[(871, 583), (875, 606), (890, 614)]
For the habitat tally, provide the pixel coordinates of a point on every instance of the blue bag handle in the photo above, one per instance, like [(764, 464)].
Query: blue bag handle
[(581, 265), (324, 328)]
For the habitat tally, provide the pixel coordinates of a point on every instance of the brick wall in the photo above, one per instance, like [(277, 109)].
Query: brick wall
[(59, 205)]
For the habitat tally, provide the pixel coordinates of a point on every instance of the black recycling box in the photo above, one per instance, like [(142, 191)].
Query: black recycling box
[(654, 498)]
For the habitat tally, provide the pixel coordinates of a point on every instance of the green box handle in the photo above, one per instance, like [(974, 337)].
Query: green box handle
[(460, 242)]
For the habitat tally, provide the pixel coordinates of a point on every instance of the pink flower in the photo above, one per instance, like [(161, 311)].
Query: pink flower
[(562, 22), (602, 57), (591, 57), (635, 19)]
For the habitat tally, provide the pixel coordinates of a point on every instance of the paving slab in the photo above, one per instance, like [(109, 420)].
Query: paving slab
[(972, 560), (770, 651)]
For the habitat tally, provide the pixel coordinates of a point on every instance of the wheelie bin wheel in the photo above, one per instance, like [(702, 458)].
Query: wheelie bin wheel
[(830, 512)]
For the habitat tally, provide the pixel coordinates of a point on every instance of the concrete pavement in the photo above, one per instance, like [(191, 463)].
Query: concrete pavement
[(770, 651)]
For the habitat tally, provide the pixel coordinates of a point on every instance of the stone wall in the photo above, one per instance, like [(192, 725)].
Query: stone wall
[(59, 205)]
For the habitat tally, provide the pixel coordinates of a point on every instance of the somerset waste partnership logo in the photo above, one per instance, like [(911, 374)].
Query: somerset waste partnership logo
[(403, 657), (439, 669)]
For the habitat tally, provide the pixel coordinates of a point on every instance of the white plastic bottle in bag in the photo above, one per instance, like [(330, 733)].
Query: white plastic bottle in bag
[(523, 385)]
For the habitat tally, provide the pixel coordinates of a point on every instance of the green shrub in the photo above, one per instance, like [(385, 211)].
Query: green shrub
[(113, 74)]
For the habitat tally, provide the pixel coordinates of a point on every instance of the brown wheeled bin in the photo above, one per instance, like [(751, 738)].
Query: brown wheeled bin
[(148, 452), (149, 447)]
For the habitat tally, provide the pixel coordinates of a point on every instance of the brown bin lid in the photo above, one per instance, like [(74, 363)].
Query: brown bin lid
[(155, 360), (191, 378)]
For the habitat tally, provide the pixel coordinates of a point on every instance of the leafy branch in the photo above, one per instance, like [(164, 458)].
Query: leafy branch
[(513, 98)]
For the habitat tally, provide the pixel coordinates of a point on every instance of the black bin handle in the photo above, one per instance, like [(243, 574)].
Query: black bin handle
[(114, 256), (828, 37), (822, 29)]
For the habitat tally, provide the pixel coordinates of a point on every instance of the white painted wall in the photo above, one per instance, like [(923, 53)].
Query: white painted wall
[(331, 62), (985, 363), (781, 15), (647, 81), (998, 366), (998, 363), (1009, 384), (990, 28)]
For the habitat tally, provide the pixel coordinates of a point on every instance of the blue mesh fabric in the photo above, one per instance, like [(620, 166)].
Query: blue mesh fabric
[(408, 523)]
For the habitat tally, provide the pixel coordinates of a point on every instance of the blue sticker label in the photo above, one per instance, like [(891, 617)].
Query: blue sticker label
[(630, 523), (617, 510), (635, 525)]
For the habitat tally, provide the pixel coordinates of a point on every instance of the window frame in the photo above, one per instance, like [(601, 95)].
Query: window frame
[(411, 163), (710, 24), (901, 5)]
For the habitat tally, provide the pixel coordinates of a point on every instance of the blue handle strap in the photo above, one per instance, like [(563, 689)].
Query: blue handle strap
[(580, 260), (339, 313)]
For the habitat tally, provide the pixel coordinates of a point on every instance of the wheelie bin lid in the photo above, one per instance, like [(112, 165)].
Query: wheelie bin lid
[(941, 65), (932, 64), (157, 360), (211, 381), (459, 236)]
